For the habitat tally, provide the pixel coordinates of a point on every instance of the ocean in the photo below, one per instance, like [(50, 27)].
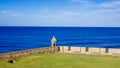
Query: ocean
[(22, 38)]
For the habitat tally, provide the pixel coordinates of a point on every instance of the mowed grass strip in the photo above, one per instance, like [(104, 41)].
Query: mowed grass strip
[(63, 61)]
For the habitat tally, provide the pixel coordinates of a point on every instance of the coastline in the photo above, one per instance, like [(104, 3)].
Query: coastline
[(14, 39)]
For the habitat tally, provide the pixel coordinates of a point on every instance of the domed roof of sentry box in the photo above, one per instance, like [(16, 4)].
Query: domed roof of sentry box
[(53, 39)]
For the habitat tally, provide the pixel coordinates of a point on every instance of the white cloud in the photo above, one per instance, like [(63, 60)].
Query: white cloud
[(69, 13), (82, 1), (45, 10), (108, 10), (111, 4), (85, 2), (10, 13), (118, 16), (93, 4), (4, 12)]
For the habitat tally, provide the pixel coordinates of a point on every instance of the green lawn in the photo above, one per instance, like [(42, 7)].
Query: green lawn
[(63, 61)]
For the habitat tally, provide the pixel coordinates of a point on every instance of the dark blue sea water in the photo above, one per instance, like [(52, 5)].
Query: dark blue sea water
[(22, 38)]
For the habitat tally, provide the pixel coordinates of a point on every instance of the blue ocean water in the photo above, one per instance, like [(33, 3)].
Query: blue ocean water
[(22, 38)]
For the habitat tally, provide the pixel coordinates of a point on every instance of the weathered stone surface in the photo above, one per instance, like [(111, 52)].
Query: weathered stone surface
[(61, 49), (24, 53), (92, 51)]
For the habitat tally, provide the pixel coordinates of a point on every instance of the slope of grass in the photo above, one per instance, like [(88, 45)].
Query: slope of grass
[(63, 61)]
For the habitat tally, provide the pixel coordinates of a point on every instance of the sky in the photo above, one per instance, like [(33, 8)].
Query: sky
[(90, 13)]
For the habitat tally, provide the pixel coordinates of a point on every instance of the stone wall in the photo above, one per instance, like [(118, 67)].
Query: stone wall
[(13, 55), (61, 49), (90, 50)]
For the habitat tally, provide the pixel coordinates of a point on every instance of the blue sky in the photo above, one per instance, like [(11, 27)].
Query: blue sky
[(92, 13)]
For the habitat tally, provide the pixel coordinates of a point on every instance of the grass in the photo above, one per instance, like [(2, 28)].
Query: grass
[(63, 61)]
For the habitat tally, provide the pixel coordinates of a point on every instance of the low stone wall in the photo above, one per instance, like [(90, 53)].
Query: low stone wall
[(114, 51), (61, 49), (13, 55), (90, 50)]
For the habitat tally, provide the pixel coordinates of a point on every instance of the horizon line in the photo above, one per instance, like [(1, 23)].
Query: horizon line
[(61, 26)]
